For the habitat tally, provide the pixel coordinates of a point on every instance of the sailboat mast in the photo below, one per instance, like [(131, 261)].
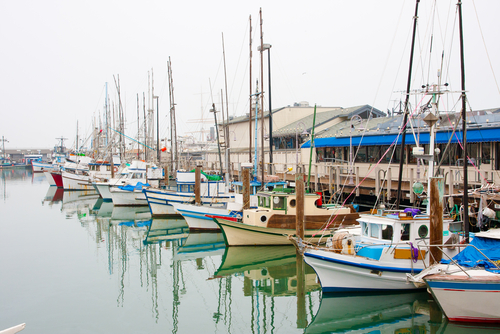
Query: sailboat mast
[(405, 118), (226, 131), (262, 100), (465, 200), (250, 114)]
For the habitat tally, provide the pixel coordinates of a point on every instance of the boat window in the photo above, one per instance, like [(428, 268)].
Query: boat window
[(387, 232), (405, 231), (264, 201), (279, 203), (292, 203), (423, 230), (365, 229), (374, 231)]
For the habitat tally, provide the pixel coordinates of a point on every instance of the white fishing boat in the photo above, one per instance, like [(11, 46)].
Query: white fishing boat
[(213, 193), (379, 258), (129, 195), (466, 286), (200, 218)]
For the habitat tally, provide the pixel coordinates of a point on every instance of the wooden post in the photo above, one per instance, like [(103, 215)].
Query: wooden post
[(197, 185), (436, 218), (299, 194), (301, 288), (165, 176), (246, 188)]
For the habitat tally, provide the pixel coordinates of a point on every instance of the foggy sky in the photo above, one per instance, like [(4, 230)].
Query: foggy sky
[(56, 57)]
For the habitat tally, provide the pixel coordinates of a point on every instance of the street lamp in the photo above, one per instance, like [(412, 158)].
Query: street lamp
[(304, 133), (268, 48)]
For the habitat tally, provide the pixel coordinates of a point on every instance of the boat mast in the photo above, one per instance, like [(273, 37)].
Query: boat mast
[(226, 131), (262, 100), (250, 114), (465, 199), (405, 118), (173, 126)]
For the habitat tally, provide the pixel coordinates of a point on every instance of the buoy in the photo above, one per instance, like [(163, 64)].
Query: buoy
[(115, 169)]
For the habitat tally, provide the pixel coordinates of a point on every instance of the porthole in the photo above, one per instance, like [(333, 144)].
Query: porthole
[(423, 230), (263, 218), (293, 203)]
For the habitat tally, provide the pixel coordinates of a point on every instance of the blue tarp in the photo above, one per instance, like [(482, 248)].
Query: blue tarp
[(470, 257), (473, 136), (138, 186)]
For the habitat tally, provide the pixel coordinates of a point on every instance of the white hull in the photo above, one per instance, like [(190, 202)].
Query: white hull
[(103, 190), (76, 182), (49, 178), (467, 299), (195, 215), (160, 201), (342, 272), (128, 198), (240, 234)]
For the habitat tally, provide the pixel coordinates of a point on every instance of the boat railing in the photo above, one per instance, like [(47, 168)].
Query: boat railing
[(459, 245)]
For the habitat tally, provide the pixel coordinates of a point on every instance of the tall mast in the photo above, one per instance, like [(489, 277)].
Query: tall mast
[(405, 118), (261, 99), (464, 124), (138, 128), (226, 127), (251, 99), (173, 126), (145, 127)]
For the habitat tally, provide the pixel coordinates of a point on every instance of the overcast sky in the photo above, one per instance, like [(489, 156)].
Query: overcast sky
[(57, 55)]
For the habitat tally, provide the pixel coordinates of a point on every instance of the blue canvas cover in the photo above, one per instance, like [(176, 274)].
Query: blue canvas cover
[(470, 257), (138, 186)]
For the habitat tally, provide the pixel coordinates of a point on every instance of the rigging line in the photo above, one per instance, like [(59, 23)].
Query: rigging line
[(237, 66), (390, 51), (432, 39), (130, 138), (378, 162), (484, 43)]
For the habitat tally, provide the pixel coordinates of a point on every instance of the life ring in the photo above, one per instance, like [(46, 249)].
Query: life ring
[(115, 169)]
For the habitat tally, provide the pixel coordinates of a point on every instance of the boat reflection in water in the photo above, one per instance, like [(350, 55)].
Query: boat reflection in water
[(54, 195), (199, 245), (373, 313), (167, 229), (81, 203)]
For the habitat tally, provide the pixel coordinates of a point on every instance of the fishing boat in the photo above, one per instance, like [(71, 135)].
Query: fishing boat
[(129, 195), (212, 191), (274, 219), (380, 257), (465, 287), (392, 243)]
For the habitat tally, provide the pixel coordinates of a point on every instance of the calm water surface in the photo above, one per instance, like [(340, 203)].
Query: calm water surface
[(72, 264)]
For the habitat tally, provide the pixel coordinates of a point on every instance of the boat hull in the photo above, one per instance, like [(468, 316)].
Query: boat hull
[(467, 299), (76, 182), (198, 217), (240, 234), (343, 273), (128, 198), (49, 178)]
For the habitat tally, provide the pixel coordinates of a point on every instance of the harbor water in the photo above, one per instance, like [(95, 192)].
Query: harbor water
[(71, 263)]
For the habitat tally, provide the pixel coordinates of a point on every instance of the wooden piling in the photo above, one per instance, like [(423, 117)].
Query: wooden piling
[(301, 288), (197, 185), (436, 218), (246, 188), (299, 196)]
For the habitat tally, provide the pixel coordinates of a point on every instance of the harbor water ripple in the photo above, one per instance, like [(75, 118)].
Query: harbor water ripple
[(71, 263)]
